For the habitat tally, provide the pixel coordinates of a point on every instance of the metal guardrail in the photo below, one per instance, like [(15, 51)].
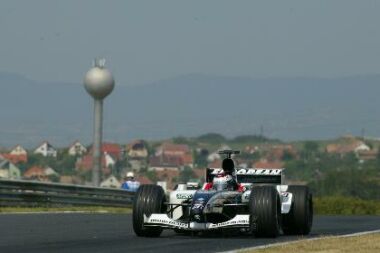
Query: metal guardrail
[(30, 193)]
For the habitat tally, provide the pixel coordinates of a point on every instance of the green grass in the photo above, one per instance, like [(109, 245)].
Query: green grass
[(89, 209), (338, 205), (355, 244)]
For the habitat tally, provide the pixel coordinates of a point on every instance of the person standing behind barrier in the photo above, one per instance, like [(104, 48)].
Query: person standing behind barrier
[(130, 183)]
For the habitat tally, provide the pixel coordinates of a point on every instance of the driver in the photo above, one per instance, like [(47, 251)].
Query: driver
[(225, 180)]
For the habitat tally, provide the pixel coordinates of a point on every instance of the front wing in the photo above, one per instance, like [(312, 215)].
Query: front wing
[(162, 220)]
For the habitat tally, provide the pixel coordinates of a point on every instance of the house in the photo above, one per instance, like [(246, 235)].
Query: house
[(35, 173), (15, 159), (169, 176), (137, 150), (46, 149), (165, 162), (8, 170), (18, 150), (171, 149), (40, 173), (49, 172), (172, 155), (361, 147), (278, 152), (85, 163), (367, 155), (112, 149), (353, 146), (265, 164), (251, 149), (111, 182), (17, 155), (77, 149)]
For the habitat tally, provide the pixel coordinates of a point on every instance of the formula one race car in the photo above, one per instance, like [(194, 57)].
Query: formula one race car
[(246, 200)]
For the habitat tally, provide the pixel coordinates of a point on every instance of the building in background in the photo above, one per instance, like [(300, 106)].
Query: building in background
[(111, 182), (17, 155), (46, 150), (137, 150), (85, 163), (170, 155), (39, 173), (350, 146), (8, 170), (77, 149)]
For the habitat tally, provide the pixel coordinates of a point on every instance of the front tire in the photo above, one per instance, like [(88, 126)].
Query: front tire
[(300, 218), (148, 199), (265, 209)]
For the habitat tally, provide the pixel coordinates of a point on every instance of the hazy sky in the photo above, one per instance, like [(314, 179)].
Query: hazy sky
[(145, 41)]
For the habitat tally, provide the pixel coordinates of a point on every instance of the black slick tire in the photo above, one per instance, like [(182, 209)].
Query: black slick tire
[(265, 211), (300, 218), (147, 200)]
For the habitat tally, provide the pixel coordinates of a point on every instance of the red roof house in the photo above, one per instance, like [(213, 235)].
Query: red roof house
[(110, 148), (264, 164), (15, 159)]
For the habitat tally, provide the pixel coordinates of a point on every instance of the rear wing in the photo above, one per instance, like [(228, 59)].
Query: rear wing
[(251, 175)]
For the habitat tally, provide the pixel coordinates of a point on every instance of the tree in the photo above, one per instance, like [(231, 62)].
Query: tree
[(287, 156), (311, 147), (186, 174), (252, 139), (212, 138), (200, 157)]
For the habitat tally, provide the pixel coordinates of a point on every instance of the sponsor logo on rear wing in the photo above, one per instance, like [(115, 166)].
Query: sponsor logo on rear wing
[(251, 175), (251, 171), (259, 171)]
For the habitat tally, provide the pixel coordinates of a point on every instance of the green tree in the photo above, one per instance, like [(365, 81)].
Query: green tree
[(212, 138), (287, 156), (200, 158), (186, 174), (311, 146)]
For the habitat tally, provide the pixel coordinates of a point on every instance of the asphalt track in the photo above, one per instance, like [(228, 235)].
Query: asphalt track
[(79, 233)]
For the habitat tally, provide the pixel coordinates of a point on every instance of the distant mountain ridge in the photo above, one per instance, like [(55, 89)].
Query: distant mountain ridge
[(190, 105)]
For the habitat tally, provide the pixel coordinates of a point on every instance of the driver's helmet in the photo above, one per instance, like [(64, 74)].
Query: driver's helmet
[(223, 182), (228, 166)]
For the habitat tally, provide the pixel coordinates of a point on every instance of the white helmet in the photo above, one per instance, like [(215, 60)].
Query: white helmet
[(222, 183), (130, 174)]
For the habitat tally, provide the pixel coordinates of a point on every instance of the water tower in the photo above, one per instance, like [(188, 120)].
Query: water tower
[(99, 83)]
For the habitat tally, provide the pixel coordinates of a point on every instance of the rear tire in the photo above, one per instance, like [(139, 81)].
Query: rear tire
[(265, 208), (148, 199), (300, 218)]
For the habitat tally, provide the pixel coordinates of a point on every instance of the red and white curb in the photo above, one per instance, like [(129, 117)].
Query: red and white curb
[(301, 240)]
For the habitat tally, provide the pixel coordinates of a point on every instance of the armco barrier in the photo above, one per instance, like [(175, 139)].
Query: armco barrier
[(30, 193)]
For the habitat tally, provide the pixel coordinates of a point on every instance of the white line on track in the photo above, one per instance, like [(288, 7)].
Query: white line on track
[(302, 240)]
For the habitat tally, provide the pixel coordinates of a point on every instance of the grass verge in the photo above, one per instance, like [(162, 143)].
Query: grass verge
[(356, 244), (338, 205), (87, 209)]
